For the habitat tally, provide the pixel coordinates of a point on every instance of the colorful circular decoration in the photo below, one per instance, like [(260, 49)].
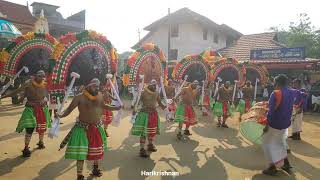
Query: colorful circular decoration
[(69, 46), (148, 60), (224, 63), (11, 56), (260, 69), (187, 62)]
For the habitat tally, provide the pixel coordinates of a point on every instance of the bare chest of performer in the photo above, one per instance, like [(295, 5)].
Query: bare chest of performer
[(248, 93), (225, 94), (90, 111), (170, 92), (149, 100), (188, 95), (206, 91), (34, 93)]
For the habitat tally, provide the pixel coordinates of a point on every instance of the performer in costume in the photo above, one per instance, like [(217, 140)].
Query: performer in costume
[(247, 98), (279, 119), (87, 139), (298, 108), (185, 113), (36, 114), (147, 122), (170, 92), (107, 115), (206, 100), (223, 106)]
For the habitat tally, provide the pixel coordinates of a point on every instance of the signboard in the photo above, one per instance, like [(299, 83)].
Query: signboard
[(280, 53)]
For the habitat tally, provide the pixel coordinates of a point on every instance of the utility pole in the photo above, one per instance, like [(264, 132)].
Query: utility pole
[(169, 34), (139, 34)]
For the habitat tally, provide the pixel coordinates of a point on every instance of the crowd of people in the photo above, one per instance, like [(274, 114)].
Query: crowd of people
[(87, 139)]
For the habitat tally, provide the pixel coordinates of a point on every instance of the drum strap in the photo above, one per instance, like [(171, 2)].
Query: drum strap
[(278, 95)]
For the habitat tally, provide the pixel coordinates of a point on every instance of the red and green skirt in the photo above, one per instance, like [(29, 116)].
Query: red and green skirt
[(206, 102), (86, 142), (222, 109), (107, 117), (244, 106), (35, 117), (185, 114), (146, 124)]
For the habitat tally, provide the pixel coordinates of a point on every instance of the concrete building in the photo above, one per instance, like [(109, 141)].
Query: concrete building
[(186, 32)]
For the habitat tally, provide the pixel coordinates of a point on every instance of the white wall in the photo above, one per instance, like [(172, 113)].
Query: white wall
[(190, 40)]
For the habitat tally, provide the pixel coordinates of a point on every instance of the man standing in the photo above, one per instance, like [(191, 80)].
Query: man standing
[(298, 109), (87, 139), (170, 92), (36, 114), (248, 95), (206, 99), (107, 115), (222, 108), (147, 121), (185, 113), (279, 119)]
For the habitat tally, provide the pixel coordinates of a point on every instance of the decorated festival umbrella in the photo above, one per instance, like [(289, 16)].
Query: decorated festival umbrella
[(252, 130)]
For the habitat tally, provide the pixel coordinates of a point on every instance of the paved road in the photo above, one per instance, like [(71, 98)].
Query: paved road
[(210, 153)]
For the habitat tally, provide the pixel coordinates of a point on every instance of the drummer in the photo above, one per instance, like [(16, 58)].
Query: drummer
[(279, 119)]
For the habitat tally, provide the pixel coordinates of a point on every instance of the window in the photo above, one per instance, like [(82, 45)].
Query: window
[(229, 41), (215, 38), (173, 54), (174, 30), (205, 34)]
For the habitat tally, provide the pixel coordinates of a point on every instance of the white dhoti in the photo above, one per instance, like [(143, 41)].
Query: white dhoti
[(171, 109), (297, 123), (275, 146)]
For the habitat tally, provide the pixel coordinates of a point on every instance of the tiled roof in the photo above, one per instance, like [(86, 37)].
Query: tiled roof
[(16, 13), (241, 49)]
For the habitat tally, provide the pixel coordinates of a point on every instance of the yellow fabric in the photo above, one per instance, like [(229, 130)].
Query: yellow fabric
[(42, 85), (89, 96)]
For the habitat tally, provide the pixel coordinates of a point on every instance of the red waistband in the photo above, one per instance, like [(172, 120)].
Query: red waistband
[(34, 104)]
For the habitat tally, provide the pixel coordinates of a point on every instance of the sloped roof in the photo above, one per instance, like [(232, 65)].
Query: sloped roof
[(186, 15), (180, 16), (241, 48), (44, 4), (16, 13), (136, 46)]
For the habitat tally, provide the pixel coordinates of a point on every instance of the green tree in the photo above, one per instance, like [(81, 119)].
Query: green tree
[(123, 60), (301, 34)]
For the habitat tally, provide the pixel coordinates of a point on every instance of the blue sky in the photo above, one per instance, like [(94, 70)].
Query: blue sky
[(120, 20)]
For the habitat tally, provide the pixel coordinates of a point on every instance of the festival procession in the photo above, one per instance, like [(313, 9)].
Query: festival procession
[(73, 107)]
